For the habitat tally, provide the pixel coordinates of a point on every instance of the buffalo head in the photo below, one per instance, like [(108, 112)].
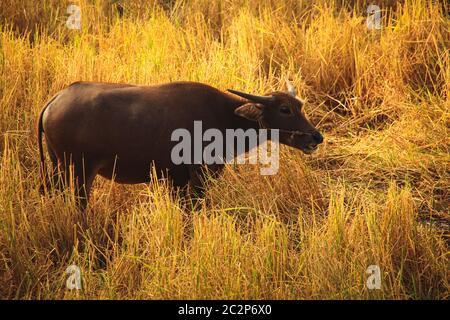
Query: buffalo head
[(283, 111)]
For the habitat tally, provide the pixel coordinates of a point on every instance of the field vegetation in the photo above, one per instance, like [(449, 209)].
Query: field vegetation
[(377, 192)]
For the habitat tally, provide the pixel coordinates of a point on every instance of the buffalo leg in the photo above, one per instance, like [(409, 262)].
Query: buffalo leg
[(199, 176), (84, 175), (58, 170), (196, 182), (55, 177)]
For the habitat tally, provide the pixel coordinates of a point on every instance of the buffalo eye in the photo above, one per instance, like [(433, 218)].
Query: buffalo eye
[(285, 110)]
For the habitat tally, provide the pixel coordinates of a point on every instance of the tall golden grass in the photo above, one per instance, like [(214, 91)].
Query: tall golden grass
[(376, 193)]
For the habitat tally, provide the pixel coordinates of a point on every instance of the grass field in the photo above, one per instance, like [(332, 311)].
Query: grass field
[(377, 192)]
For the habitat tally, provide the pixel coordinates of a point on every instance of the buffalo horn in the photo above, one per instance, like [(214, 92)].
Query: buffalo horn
[(254, 98), (290, 88)]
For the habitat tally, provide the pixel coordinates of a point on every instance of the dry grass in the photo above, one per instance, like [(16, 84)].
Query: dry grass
[(377, 192)]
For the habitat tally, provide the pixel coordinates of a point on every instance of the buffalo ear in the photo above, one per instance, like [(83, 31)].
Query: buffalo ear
[(250, 111)]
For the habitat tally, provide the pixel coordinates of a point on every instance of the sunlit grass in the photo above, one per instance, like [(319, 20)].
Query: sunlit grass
[(376, 192)]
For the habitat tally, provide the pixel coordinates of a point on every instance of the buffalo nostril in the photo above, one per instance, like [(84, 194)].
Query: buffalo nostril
[(317, 137)]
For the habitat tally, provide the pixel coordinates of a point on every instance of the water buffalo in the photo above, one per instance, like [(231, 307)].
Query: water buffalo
[(120, 130)]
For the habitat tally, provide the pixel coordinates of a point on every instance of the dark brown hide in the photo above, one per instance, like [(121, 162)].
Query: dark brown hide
[(104, 128)]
